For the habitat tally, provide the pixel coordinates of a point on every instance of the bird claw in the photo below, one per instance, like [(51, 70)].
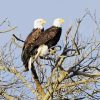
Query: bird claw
[(52, 51)]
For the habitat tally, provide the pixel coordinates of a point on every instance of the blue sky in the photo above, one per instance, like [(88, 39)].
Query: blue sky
[(22, 13)]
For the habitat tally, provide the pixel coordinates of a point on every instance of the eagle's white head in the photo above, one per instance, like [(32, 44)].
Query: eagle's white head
[(39, 23), (58, 22)]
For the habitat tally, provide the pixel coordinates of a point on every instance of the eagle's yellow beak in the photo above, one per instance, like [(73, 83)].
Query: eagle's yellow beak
[(62, 20), (43, 22)]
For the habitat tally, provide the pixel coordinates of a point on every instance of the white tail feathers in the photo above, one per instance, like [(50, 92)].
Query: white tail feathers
[(42, 51), (30, 63)]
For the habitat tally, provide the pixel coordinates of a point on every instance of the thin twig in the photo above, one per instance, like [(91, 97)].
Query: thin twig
[(8, 30), (18, 39)]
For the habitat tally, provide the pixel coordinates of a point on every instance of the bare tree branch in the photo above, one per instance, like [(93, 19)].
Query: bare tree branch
[(8, 30)]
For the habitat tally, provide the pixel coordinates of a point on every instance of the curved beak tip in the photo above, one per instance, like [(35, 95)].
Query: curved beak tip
[(44, 21), (63, 21)]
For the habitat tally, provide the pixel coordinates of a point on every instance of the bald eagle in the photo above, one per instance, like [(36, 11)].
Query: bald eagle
[(45, 40), (29, 42), (49, 38)]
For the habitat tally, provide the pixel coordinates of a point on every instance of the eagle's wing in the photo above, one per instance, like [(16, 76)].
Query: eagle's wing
[(32, 38), (50, 37), (28, 46)]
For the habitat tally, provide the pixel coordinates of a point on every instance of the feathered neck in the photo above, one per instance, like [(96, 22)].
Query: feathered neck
[(38, 26), (55, 24)]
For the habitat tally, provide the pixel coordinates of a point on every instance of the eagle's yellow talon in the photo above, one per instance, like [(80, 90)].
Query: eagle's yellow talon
[(53, 51)]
